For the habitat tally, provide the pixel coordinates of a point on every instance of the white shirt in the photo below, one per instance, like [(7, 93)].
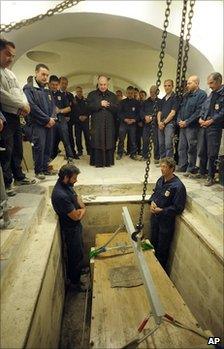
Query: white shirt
[(12, 96)]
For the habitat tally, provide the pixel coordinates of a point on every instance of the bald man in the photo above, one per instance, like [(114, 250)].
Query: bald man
[(187, 121), (103, 106)]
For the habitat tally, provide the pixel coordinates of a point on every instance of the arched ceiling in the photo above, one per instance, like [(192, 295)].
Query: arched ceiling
[(90, 44)]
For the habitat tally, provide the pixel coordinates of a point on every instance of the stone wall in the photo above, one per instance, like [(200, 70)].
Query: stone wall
[(46, 323), (197, 273)]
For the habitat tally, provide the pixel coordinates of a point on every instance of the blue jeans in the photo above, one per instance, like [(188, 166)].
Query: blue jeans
[(123, 131), (60, 133), (187, 148), (208, 149), (42, 145), (165, 137)]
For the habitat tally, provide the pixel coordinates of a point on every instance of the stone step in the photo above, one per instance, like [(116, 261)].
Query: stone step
[(21, 290), (25, 212)]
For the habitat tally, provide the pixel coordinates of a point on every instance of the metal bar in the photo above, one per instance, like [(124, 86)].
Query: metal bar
[(153, 298)]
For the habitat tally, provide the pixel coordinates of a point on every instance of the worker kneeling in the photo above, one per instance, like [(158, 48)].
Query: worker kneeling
[(167, 200), (70, 209)]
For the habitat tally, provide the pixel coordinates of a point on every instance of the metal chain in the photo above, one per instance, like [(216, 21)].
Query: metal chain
[(180, 48), (6, 28), (187, 46), (139, 225)]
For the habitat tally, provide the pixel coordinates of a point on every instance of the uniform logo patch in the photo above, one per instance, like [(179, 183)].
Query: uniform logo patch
[(133, 108), (217, 106), (59, 98), (167, 193)]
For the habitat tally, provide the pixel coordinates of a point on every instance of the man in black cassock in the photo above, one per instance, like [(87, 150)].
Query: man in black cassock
[(103, 105)]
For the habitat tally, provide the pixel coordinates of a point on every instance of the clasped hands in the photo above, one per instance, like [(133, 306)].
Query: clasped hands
[(154, 208)]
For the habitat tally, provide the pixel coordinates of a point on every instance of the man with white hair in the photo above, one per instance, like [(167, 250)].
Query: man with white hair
[(103, 105), (187, 121)]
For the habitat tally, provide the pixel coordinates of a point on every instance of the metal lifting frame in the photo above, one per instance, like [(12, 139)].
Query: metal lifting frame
[(154, 301)]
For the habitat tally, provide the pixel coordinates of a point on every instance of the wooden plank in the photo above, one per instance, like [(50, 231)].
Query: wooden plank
[(117, 312)]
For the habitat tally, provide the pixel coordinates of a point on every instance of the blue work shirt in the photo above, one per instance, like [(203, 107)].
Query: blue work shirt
[(64, 201), (167, 105), (42, 106), (170, 196), (129, 109), (191, 106), (147, 107), (213, 108)]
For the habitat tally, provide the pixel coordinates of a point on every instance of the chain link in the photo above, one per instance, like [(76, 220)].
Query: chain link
[(139, 225), (187, 45), (180, 48), (6, 28)]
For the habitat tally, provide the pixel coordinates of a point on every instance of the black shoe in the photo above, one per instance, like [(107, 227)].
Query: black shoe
[(180, 170), (76, 157), (79, 153), (25, 181), (210, 181), (133, 157)]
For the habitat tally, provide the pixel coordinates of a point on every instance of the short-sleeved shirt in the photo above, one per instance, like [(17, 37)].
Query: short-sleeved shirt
[(167, 105), (64, 201)]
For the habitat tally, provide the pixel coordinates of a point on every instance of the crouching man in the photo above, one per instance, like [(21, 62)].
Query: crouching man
[(168, 200), (70, 209)]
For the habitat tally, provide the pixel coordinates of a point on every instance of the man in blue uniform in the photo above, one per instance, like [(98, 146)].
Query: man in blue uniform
[(211, 122), (187, 121), (60, 130), (42, 119), (167, 201), (165, 118), (149, 118), (70, 210), (129, 116), (81, 114), (70, 117)]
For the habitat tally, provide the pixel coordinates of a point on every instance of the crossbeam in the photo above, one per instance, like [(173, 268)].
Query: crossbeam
[(153, 298)]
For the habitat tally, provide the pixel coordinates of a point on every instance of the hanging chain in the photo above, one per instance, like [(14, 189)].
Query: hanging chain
[(187, 45), (6, 28), (139, 225), (180, 48)]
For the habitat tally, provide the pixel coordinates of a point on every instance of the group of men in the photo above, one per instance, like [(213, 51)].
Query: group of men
[(195, 119)]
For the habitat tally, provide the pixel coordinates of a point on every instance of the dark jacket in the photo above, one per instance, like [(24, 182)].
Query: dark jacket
[(102, 119), (170, 196), (129, 109), (148, 108), (191, 107), (41, 102), (213, 108), (80, 108)]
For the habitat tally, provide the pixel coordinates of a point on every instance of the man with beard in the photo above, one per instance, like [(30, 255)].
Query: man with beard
[(103, 105)]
